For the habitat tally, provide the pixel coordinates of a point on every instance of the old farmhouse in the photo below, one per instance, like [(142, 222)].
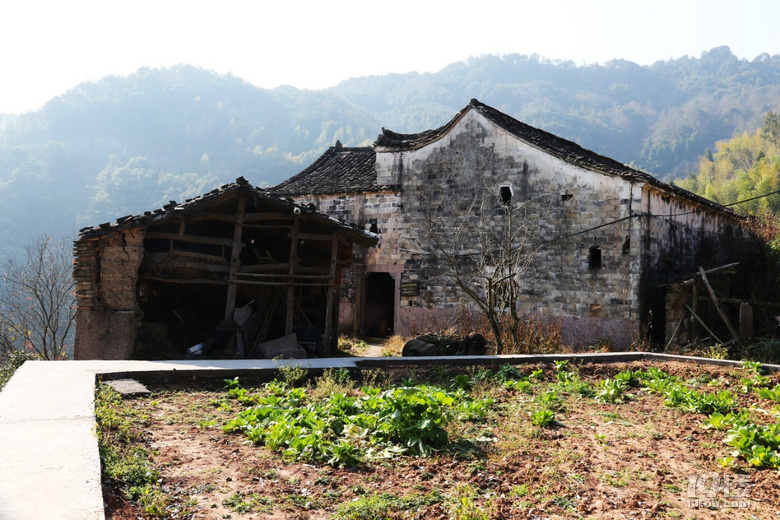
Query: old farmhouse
[(219, 275), (600, 239)]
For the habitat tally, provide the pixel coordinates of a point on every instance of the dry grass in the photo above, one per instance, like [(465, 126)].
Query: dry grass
[(393, 346)]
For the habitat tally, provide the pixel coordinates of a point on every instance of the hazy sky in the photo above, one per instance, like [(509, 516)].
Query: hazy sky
[(49, 46)]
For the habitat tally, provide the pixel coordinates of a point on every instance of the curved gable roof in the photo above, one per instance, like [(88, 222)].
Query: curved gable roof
[(557, 146)]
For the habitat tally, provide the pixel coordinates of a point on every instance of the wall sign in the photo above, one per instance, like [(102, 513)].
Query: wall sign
[(410, 288)]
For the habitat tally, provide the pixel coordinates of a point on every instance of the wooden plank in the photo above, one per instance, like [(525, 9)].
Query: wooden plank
[(235, 259), (193, 239), (718, 307)]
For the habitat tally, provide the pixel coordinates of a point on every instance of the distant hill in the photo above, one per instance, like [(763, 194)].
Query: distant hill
[(122, 145)]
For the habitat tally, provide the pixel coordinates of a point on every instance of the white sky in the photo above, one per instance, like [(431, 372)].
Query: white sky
[(49, 46)]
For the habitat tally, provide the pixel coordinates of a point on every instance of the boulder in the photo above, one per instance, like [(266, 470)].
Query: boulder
[(285, 347), (418, 347), (474, 344)]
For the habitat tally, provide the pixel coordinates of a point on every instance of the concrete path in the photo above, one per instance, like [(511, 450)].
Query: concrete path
[(49, 461)]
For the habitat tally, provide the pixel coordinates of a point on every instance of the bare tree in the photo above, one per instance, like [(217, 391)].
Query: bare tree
[(37, 304), (487, 248)]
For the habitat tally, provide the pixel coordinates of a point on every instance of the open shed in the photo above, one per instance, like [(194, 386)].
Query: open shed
[(237, 259)]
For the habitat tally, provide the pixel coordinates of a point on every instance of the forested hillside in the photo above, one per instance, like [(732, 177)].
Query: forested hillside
[(742, 168), (123, 145)]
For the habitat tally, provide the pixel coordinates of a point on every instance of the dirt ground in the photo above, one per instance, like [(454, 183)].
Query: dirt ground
[(635, 459)]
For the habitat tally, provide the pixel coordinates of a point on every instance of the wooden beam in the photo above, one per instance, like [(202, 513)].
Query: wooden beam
[(186, 281), (286, 276), (704, 324), (288, 324), (314, 236), (259, 217), (718, 307), (267, 268), (235, 259), (194, 239), (674, 334), (710, 271), (203, 266)]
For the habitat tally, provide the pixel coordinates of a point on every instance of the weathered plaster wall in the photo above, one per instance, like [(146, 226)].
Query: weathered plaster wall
[(446, 189), (106, 274), (460, 177)]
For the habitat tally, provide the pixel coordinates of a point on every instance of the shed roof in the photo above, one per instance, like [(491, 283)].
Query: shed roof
[(215, 198)]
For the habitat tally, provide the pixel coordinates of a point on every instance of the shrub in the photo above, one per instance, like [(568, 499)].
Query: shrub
[(12, 360)]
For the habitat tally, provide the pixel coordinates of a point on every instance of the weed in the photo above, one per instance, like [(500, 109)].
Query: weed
[(519, 491), (565, 503), (465, 507), (293, 374), (332, 381), (384, 505), (243, 503)]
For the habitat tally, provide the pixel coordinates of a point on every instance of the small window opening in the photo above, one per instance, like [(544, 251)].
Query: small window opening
[(594, 257), (373, 226), (627, 245), (566, 197), (506, 195)]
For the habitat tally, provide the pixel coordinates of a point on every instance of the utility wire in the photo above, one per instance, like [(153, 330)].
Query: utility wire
[(655, 216)]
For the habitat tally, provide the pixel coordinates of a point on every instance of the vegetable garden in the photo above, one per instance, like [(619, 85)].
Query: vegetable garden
[(554, 441)]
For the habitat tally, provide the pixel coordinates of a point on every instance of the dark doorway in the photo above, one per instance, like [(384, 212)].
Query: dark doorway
[(379, 311)]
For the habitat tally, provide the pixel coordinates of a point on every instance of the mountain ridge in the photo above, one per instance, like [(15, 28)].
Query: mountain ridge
[(124, 144)]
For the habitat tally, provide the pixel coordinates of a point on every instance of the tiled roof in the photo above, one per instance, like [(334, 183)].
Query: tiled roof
[(203, 203), (352, 170), (550, 143), (338, 170)]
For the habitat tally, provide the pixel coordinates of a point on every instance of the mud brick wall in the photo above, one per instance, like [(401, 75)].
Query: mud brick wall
[(106, 272)]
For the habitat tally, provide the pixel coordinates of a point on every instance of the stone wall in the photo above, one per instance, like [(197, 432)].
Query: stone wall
[(563, 215), (456, 183)]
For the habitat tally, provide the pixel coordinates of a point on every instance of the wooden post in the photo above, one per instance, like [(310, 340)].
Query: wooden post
[(718, 307), (288, 324), (235, 259), (745, 322), (695, 304), (329, 344)]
